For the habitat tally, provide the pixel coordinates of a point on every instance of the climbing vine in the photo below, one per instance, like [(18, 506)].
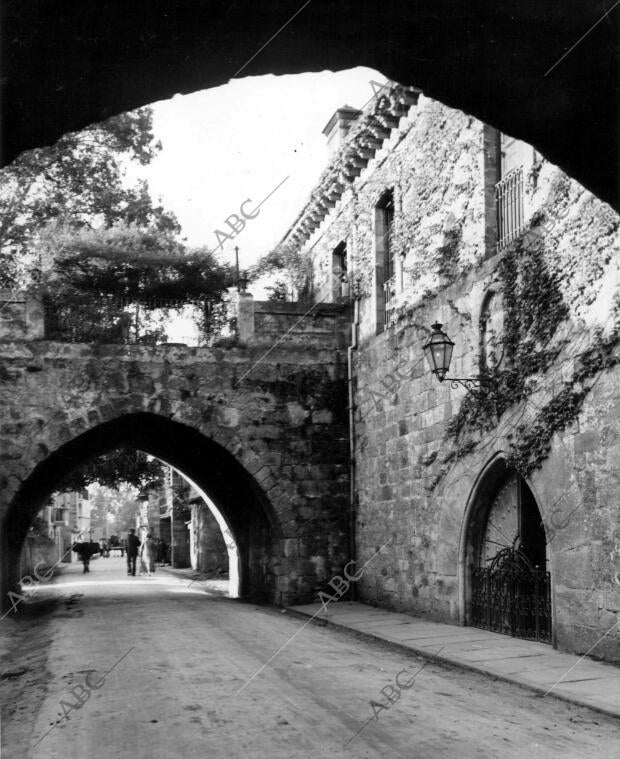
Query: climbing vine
[(446, 256), (533, 310), (533, 442)]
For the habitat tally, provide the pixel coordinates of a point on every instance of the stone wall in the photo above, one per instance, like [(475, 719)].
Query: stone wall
[(540, 318), (434, 164), (416, 485), (211, 554), (21, 316), (308, 324), (179, 543), (38, 552), (261, 429)]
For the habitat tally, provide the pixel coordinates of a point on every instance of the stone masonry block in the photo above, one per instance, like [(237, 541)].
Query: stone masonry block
[(586, 442)]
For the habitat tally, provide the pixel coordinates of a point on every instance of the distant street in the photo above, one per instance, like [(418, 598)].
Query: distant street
[(176, 659)]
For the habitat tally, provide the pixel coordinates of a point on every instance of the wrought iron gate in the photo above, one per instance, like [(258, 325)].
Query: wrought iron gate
[(512, 597)]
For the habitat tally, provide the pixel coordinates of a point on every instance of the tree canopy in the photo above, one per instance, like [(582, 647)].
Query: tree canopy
[(290, 273), (105, 257), (118, 284), (82, 182), (122, 466), (139, 265), (114, 510)]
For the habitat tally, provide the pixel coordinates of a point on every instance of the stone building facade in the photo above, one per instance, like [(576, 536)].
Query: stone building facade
[(500, 504)]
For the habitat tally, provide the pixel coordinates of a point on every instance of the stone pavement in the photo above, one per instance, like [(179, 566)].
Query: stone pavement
[(537, 666)]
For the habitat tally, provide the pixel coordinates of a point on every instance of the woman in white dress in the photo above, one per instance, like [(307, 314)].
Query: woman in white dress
[(148, 551)]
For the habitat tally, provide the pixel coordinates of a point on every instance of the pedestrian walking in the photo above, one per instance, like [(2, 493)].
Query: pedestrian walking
[(131, 549), (147, 554), (162, 552), (84, 552)]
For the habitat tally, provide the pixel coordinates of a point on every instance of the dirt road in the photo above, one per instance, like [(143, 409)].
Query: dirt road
[(116, 666)]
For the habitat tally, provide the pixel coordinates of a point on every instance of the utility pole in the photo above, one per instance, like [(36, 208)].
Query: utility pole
[(237, 265)]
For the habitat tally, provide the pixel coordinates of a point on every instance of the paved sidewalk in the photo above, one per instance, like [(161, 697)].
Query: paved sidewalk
[(532, 665)]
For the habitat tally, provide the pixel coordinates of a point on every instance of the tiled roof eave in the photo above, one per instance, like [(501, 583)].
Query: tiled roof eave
[(364, 140)]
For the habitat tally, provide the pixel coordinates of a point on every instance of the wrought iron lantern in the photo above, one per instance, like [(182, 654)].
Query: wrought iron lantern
[(438, 352)]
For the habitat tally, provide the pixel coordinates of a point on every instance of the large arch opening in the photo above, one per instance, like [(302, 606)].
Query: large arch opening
[(240, 507), (505, 574), (517, 76)]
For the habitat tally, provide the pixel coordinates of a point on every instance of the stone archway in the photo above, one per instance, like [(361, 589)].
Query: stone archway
[(67, 59), (244, 506), (504, 558)]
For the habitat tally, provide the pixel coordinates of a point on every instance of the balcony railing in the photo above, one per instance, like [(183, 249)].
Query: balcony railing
[(389, 296), (510, 208)]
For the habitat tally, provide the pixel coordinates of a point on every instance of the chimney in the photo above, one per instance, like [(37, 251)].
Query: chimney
[(338, 126)]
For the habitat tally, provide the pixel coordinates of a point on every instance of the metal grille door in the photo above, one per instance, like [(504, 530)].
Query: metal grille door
[(512, 597)]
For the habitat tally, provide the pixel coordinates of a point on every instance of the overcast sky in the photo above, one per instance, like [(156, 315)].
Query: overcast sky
[(240, 141)]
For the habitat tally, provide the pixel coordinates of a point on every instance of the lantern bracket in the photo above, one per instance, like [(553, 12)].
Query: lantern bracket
[(438, 350), (478, 386)]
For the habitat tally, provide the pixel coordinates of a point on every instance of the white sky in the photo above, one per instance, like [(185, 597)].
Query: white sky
[(238, 141)]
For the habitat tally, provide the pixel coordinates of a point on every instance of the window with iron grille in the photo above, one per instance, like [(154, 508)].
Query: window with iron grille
[(509, 191)]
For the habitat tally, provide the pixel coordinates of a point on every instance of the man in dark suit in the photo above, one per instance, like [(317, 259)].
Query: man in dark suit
[(131, 547)]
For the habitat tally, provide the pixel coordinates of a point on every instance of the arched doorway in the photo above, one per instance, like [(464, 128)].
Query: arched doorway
[(241, 504), (507, 564)]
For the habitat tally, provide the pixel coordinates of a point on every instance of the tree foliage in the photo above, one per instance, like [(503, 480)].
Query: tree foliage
[(137, 265), (80, 181), (114, 510), (100, 285), (122, 466), (278, 291), (291, 272), (106, 258)]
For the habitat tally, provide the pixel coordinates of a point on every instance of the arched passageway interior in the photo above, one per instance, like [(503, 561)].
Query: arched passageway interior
[(508, 578), (233, 497), (127, 489)]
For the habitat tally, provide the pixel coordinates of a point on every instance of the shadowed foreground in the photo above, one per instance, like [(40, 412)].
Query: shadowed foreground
[(164, 664)]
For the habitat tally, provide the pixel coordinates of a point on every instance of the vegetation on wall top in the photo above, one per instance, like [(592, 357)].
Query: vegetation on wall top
[(290, 272), (95, 282), (131, 264)]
